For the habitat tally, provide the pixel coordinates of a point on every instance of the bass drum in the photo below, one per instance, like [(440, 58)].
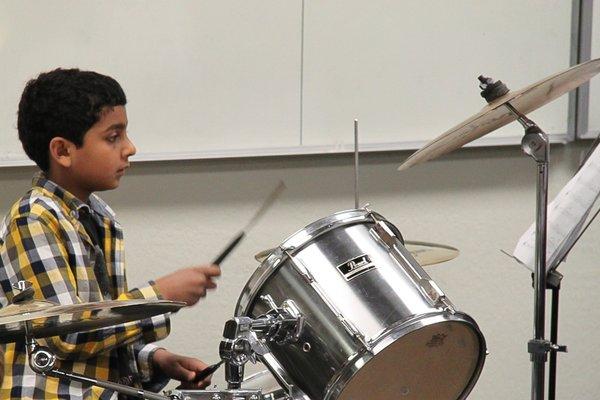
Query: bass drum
[(376, 326)]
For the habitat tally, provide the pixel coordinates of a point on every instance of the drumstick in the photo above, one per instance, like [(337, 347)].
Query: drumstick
[(207, 371), (261, 211)]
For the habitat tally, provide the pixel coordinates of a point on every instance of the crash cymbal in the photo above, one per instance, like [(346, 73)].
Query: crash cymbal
[(51, 319), (424, 252), (495, 115), (430, 253)]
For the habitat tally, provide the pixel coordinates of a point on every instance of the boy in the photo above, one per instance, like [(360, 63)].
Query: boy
[(65, 240)]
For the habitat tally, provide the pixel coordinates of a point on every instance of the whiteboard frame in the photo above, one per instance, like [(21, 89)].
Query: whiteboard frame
[(581, 51), (310, 150), (581, 42)]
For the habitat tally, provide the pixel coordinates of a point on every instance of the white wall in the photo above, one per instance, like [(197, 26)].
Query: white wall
[(479, 200)]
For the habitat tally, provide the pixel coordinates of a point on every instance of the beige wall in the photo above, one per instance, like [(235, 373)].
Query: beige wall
[(479, 200)]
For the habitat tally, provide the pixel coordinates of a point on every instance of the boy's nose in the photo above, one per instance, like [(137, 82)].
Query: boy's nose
[(130, 149)]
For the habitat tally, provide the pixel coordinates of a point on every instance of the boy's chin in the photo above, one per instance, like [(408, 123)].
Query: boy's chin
[(107, 186)]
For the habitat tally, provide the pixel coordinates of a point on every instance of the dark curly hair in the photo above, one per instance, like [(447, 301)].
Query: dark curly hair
[(65, 103)]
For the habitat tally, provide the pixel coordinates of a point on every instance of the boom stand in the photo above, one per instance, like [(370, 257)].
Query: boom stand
[(535, 144)]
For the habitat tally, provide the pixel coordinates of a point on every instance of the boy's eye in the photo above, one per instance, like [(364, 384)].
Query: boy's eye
[(112, 138)]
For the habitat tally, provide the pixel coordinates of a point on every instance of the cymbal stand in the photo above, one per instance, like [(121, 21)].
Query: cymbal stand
[(536, 145)]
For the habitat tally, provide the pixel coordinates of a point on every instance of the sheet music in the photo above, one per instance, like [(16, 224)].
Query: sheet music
[(566, 216)]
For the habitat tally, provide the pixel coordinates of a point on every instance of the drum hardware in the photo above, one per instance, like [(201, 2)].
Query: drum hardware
[(536, 145), (24, 293), (244, 340), (301, 269), (261, 211), (214, 394), (427, 286), (42, 361), (286, 322), (349, 327)]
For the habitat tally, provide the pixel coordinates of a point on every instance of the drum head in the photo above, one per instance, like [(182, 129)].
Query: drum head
[(437, 361)]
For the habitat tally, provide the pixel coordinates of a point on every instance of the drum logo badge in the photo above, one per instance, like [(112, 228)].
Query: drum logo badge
[(357, 266), (437, 340)]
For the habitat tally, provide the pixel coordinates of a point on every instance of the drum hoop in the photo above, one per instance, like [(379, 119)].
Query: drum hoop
[(395, 332), (293, 244)]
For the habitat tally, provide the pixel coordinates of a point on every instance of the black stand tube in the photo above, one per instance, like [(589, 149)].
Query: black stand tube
[(553, 283), (553, 339)]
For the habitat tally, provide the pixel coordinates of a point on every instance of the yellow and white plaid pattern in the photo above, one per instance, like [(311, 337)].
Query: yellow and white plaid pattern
[(43, 242)]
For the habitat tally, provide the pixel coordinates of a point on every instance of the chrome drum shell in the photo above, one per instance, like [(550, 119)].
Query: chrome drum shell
[(372, 327)]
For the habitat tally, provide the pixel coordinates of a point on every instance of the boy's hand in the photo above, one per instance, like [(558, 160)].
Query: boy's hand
[(188, 284), (181, 368)]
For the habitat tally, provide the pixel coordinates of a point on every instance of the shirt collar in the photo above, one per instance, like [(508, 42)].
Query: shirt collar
[(71, 203)]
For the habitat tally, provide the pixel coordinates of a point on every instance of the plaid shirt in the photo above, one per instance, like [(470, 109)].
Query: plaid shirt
[(42, 241)]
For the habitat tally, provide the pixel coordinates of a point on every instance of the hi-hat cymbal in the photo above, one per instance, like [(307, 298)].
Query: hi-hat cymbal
[(424, 252), (495, 115), (51, 319)]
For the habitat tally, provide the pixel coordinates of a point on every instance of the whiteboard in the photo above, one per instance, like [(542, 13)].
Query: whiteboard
[(594, 107), (408, 69), (200, 76), (239, 78)]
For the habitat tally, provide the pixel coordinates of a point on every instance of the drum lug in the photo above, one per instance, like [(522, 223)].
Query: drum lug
[(427, 286), (436, 296), (302, 270), (354, 332), (383, 233)]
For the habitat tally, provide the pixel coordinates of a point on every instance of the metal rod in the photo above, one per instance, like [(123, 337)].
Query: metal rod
[(127, 390), (535, 144), (356, 203), (539, 282), (553, 339)]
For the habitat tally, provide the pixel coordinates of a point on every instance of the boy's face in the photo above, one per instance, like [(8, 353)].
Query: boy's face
[(102, 160)]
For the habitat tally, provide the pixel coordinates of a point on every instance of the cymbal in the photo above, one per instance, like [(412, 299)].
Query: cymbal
[(51, 319), (424, 252), (262, 255), (430, 253), (494, 115)]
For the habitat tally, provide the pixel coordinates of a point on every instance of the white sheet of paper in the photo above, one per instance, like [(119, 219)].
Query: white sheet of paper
[(566, 215)]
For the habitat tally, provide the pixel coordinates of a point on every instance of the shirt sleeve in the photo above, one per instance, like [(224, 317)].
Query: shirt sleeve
[(34, 249), (152, 379)]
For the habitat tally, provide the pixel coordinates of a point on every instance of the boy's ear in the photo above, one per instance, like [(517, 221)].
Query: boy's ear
[(61, 151)]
